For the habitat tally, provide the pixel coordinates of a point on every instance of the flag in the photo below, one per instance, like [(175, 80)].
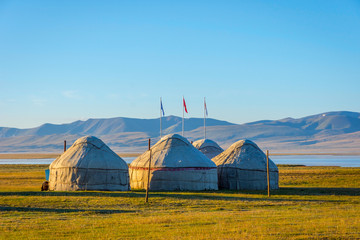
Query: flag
[(205, 108), (185, 105), (161, 108)]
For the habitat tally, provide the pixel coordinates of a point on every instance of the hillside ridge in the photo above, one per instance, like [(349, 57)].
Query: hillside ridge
[(329, 131)]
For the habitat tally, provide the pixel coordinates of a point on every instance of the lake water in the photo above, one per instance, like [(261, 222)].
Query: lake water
[(307, 160), (43, 161), (323, 160)]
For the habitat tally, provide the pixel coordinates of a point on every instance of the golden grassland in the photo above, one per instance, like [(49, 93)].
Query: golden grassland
[(313, 202)]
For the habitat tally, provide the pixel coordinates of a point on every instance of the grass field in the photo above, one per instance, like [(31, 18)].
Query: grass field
[(313, 202)]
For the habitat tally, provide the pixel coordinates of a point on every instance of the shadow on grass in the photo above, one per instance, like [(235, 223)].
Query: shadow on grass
[(215, 197), (181, 195), (59, 210), (76, 194), (230, 195)]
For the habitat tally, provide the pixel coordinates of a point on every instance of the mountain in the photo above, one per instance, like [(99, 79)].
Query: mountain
[(326, 132), (100, 127)]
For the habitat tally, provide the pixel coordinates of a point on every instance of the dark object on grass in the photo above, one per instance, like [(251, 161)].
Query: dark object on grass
[(45, 186)]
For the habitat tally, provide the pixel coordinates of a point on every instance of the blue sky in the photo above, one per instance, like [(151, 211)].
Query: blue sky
[(62, 61)]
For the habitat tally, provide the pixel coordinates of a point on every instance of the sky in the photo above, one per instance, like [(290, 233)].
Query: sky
[(62, 61)]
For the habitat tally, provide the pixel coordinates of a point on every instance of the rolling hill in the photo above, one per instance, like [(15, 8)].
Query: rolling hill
[(325, 132), (100, 127)]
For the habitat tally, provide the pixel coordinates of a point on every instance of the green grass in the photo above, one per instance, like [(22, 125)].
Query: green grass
[(313, 202)]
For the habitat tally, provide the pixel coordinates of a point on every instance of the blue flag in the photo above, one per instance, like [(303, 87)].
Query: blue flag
[(162, 109)]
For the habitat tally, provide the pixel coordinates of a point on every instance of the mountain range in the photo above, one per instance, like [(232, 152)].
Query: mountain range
[(326, 132)]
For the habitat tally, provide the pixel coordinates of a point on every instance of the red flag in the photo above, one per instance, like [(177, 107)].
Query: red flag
[(205, 108), (185, 105)]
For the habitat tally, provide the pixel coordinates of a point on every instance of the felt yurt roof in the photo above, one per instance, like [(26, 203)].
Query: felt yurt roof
[(173, 151), (208, 147), (244, 154), (204, 143), (89, 152)]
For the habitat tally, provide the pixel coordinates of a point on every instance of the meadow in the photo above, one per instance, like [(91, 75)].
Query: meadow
[(312, 203)]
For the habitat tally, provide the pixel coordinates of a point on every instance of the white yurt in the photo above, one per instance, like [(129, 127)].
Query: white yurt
[(175, 165), (89, 164), (208, 147), (243, 167)]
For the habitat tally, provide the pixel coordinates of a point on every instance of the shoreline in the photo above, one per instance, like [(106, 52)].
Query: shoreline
[(47, 155), (316, 154), (55, 155)]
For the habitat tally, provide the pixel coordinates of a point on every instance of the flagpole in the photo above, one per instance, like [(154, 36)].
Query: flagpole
[(183, 118), (160, 119), (204, 120)]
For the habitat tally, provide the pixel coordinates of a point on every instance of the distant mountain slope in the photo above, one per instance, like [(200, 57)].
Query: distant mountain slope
[(312, 132), (337, 121), (331, 131), (100, 127), (345, 122)]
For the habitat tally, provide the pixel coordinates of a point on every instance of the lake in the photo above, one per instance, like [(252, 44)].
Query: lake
[(318, 160), (307, 160), (43, 161)]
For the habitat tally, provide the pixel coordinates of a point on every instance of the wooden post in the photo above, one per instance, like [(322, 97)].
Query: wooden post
[(148, 180), (267, 171), (64, 145)]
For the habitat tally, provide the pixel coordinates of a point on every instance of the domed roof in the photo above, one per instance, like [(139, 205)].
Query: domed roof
[(90, 140), (173, 151), (208, 147), (244, 154), (89, 152)]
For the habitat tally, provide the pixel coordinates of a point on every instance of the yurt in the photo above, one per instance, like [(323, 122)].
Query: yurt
[(175, 165), (243, 167), (208, 147), (89, 164)]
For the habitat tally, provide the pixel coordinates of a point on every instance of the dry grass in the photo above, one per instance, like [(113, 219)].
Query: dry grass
[(313, 202)]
